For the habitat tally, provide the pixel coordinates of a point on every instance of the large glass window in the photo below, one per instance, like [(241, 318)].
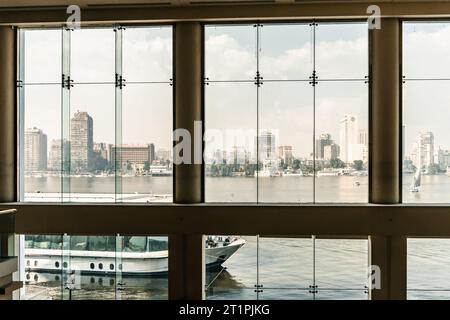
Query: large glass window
[(96, 114), (302, 268), (300, 107), (95, 267), (426, 77)]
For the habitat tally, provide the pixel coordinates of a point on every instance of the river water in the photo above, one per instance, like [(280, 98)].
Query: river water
[(282, 268)]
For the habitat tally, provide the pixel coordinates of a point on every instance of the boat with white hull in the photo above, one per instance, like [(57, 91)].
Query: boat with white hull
[(149, 263)]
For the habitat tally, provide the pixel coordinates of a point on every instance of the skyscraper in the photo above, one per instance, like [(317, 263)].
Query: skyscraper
[(58, 149), (266, 146), (331, 152), (348, 136), (35, 150), (426, 148), (81, 141), (324, 140), (285, 153)]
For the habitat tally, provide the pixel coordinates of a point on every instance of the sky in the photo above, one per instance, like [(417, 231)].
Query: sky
[(282, 105)]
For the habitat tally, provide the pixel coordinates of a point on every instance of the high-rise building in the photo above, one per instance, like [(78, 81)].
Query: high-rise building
[(324, 140), (348, 136), (134, 155), (285, 154), (443, 159), (331, 152), (35, 150), (238, 155), (266, 146), (58, 149), (426, 148), (81, 142)]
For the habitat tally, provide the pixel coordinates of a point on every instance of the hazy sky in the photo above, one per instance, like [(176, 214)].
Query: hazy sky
[(285, 106)]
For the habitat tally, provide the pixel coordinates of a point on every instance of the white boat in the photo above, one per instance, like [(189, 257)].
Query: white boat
[(140, 256), (416, 180)]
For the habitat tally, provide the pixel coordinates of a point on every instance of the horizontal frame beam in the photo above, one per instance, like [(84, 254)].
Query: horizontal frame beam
[(280, 220), (205, 13)]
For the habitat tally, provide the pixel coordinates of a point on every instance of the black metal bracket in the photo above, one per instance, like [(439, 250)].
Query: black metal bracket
[(259, 288), (313, 79), (116, 28), (120, 81), (19, 84), (256, 25), (171, 82), (367, 79), (403, 79), (206, 81), (66, 83), (258, 79), (313, 289)]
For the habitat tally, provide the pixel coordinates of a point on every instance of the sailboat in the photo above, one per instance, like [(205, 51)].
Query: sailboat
[(416, 179)]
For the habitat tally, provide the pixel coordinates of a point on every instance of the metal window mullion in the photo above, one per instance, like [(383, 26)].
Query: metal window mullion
[(118, 165), (21, 114)]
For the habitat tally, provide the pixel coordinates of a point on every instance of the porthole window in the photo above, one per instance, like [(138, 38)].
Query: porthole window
[(35, 263), (56, 264), (28, 263), (100, 266), (65, 265), (92, 266), (111, 266)]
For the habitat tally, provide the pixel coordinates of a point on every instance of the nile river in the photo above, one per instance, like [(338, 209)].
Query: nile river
[(284, 267)]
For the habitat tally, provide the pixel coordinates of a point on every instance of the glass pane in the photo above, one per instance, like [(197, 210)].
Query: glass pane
[(342, 295), (230, 52), (42, 143), (341, 137), (286, 52), (147, 54), (286, 263), (285, 294), (92, 131), (144, 262), (342, 50), (43, 267), (285, 169), (428, 269), (425, 142), (230, 149), (231, 267), (425, 50), (42, 66), (147, 143), (341, 264), (92, 55)]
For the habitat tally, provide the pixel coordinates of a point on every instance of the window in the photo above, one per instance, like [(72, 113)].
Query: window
[(270, 90), (302, 268), (96, 114), (83, 267), (426, 77)]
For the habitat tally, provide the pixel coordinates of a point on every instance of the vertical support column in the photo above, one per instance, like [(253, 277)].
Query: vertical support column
[(385, 113), (389, 253), (186, 251), (7, 114)]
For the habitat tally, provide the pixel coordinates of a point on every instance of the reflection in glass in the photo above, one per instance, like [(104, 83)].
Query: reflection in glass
[(95, 267)]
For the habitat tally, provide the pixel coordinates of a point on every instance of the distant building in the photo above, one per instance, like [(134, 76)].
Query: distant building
[(134, 155), (265, 144), (81, 142), (58, 150), (238, 155), (285, 154), (164, 155), (423, 150), (443, 159), (331, 152), (348, 136), (35, 150), (323, 141)]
